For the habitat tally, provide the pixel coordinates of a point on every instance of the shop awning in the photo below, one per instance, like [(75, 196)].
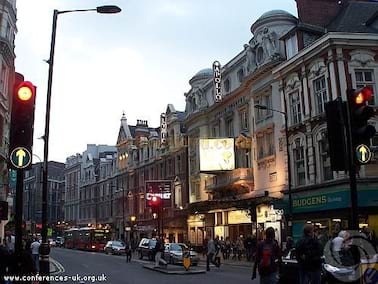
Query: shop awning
[(205, 206)]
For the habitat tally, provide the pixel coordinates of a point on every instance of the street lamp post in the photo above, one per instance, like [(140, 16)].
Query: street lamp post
[(290, 217), (123, 215), (44, 249)]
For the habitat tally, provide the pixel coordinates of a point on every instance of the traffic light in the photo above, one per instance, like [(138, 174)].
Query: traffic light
[(336, 134), (22, 116), (154, 203), (360, 112)]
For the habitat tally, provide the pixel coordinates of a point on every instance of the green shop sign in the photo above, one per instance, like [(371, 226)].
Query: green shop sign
[(320, 201), (324, 201)]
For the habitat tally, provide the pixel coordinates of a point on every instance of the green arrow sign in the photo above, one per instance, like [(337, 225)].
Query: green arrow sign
[(20, 157), (363, 154)]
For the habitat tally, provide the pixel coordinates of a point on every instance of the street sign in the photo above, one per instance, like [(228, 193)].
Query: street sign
[(186, 260), (363, 154), (20, 157)]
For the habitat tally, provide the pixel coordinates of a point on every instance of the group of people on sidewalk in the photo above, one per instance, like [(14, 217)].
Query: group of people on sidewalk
[(24, 262), (308, 253), (240, 249)]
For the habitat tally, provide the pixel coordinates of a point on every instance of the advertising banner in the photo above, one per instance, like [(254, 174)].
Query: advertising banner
[(217, 154), (161, 189)]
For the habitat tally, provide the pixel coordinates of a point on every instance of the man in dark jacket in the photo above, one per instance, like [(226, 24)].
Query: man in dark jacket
[(309, 253), (268, 257)]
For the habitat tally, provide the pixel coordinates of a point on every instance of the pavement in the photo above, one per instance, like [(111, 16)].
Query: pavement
[(174, 269), (234, 262)]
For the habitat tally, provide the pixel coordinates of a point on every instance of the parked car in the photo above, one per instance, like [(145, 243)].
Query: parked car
[(59, 241), (146, 248), (289, 270), (173, 253), (114, 247)]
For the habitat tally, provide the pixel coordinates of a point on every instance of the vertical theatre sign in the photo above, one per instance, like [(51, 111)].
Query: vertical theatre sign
[(217, 81), (163, 128), (161, 189)]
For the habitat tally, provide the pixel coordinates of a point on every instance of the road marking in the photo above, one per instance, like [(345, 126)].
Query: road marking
[(58, 266)]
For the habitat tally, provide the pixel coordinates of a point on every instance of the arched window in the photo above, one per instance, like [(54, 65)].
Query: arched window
[(299, 162), (227, 85), (240, 75), (178, 193)]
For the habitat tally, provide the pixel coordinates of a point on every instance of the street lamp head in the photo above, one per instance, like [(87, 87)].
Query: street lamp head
[(108, 9), (261, 107)]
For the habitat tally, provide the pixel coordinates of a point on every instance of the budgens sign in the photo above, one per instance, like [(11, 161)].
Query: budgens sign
[(319, 202)]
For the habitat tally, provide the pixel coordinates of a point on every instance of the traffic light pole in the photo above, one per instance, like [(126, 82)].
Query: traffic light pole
[(354, 222), (19, 209), (45, 249)]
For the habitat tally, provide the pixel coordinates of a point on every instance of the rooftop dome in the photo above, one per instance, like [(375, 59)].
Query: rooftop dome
[(201, 75), (274, 13), (204, 72), (272, 16)]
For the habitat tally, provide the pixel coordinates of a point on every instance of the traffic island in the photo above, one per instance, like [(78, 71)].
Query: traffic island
[(173, 269)]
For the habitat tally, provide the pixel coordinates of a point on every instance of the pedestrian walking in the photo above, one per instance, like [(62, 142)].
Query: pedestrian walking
[(35, 253), (217, 254), (10, 242), (309, 253), (211, 250), (159, 249), (289, 245), (267, 255), (248, 243), (240, 247), (228, 248), (128, 251)]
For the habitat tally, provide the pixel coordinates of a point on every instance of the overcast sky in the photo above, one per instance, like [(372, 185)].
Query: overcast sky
[(135, 62)]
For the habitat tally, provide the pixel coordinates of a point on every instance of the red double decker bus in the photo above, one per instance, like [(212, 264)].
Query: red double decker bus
[(71, 238), (90, 239)]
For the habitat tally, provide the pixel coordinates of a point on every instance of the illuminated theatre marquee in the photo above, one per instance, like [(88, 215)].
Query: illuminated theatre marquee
[(217, 154)]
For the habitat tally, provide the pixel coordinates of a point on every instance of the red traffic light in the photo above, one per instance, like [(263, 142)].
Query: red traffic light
[(361, 96), (154, 201), (25, 91), (22, 116)]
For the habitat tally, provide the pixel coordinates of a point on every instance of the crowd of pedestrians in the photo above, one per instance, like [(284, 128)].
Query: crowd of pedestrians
[(240, 249), (24, 262), (346, 249)]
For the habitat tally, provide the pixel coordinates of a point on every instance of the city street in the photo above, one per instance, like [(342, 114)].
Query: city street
[(117, 270)]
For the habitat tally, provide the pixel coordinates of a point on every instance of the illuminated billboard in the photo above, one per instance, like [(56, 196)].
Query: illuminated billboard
[(161, 189), (217, 154)]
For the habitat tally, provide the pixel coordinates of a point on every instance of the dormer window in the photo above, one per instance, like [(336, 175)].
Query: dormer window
[(227, 85), (291, 46), (240, 75)]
